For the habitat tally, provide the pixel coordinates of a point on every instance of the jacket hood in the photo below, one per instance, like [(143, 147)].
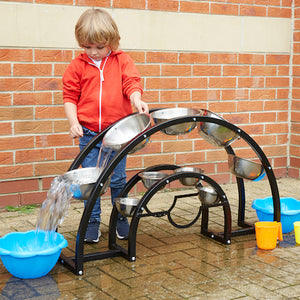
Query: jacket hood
[(84, 57)]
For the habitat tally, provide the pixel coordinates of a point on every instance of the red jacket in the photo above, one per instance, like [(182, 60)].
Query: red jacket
[(101, 102)]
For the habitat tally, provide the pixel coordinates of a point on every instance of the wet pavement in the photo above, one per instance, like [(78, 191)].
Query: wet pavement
[(171, 263)]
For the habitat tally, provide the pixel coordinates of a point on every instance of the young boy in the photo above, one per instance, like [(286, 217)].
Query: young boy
[(99, 87)]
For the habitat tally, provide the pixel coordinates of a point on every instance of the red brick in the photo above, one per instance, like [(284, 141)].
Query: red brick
[(168, 5), (179, 146), (236, 71), (222, 82), (59, 69), (176, 70), (98, 3), (189, 83), (250, 10), (12, 143), (12, 55), (236, 94), (60, 2), (276, 105), (6, 128), (224, 9), (18, 171), (204, 95), (16, 84), (149, 70), (133, 4), (24, 156), (42, 84), (5, 69), (16, 113), (137, 56), (193, 58), (220, 58), (161, 57), (279, 12), (250, 106), (222, 106), (19, 186), (282, 93), (175, 96), (50, 112), (277, 59), (5, 99), (251, 59), (51, 168), (250, 82), (207, 70), (277, 82), (32, 69), (194, 7), (161, 83), (263, 71), (30, 127), (262, 94), (33, 198), (279, 128), (263, 117), (158, 159), (53, 55), (9, 200), (58, 98), (53, 140), (36, 98), (6, 158)]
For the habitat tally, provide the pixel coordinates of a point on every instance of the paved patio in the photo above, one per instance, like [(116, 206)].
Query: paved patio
[(171, 263)]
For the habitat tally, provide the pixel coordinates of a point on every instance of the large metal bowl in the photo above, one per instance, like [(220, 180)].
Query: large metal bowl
[(163, 115), (244, 168), (126, 206), (125, 130), (188, 181), (207, 195), (149, 178), (83, 180), (215, 134)]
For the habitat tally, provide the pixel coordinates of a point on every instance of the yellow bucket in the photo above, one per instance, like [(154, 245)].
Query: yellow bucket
[(297, 231), (267, 234)]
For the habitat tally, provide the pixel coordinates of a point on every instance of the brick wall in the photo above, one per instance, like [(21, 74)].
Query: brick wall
[(251, 90)]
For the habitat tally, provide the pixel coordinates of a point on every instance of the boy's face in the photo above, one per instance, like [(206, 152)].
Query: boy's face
[(96, 51)]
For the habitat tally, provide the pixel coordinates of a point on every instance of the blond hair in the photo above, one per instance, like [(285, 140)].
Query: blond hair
[(96, 26)]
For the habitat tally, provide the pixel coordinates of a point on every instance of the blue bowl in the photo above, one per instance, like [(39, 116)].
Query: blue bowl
[(31, 254), (289, 211)]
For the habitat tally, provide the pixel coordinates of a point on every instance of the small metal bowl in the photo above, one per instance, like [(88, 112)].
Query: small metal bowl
[(125, 130), (188, 181), (215, 134), (82, 182), (163, 115), (244, 168), (126, 206), (150, 178), (207, 195)]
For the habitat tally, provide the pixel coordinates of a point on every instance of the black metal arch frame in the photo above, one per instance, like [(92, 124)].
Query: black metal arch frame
[(76, 263)]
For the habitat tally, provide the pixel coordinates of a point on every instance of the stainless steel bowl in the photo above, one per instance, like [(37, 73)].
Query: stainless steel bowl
[(215, 134), (245, 168), (207, 195), (188, 181), (150, 178), (163, 115), (125, 130), (126, 206), (83, 180)]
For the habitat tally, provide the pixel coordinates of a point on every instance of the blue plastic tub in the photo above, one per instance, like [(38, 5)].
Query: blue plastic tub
[(289, 211), (31, 254)]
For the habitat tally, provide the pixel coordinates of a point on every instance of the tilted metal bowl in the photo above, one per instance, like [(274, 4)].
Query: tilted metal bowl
[(244, 168), (207, 195), (163, 115), (188, 181), (151, 177), (125, 130), (215, 134), (83, 180), (126, 206)]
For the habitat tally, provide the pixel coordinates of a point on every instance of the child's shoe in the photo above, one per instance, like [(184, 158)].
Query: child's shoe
[(93, 232), (122, 228)]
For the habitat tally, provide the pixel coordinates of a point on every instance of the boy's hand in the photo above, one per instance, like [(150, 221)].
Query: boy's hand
[(76, 131), (141, 106)]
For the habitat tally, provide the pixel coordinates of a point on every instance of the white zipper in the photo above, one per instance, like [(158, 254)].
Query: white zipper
[(100, 92)]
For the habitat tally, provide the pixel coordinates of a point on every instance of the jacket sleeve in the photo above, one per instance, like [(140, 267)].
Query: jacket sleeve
[(71, 84), (131, 79)]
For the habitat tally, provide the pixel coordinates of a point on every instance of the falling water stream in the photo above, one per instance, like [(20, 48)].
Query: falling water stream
[(57, 202)]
